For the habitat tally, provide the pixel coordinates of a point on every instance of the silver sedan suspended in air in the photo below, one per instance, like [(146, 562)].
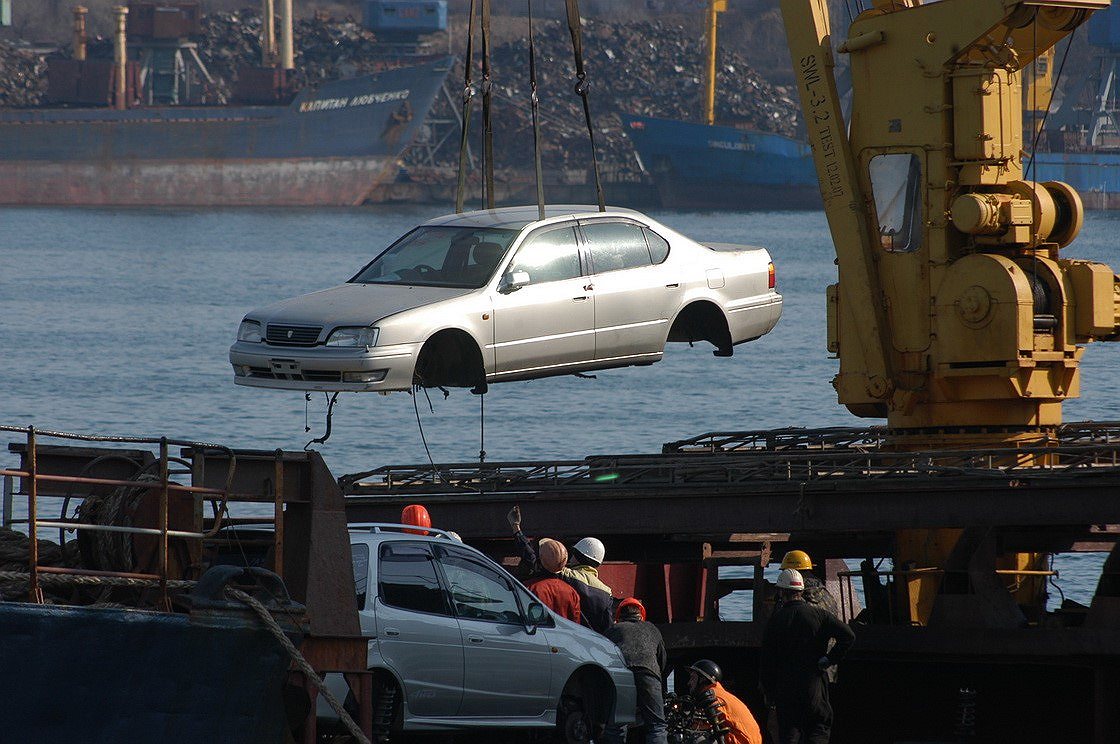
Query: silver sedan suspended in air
[(491, 296)]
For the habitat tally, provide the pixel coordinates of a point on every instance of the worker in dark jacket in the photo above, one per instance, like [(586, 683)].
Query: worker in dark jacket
[(816, 593), (643, 650), (795, 656), (596, 606), (553, 591)]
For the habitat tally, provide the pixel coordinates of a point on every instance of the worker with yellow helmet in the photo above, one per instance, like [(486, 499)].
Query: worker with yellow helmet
[(815, 592)]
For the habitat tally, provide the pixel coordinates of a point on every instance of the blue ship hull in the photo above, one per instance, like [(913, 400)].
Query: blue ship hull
[(700, 166), (1095, 175), (330, 146)]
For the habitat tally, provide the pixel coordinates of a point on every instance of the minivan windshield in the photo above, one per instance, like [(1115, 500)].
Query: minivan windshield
[(440, 256)]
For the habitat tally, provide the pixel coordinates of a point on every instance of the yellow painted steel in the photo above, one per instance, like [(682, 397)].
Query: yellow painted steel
[(711, 28), (955, 316)]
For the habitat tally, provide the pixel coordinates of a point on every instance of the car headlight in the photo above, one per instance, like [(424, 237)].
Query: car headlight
[(353, 337), (249, 330)]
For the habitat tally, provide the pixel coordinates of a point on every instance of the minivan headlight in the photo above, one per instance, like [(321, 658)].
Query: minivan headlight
[(353, 337), (249, 330)]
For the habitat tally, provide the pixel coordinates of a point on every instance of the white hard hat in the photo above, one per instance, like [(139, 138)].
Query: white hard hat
[(592, 549), (790, 578), (454, 536)]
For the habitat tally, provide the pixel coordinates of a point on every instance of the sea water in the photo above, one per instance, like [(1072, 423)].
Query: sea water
[(119, 321)]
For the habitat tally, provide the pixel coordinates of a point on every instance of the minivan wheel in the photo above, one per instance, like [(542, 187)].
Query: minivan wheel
[(574, 723)]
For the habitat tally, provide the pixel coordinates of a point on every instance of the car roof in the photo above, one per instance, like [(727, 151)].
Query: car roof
[(522, 216)]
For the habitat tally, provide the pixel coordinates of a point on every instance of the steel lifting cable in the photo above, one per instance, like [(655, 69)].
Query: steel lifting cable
[(534, 101), (582, 87), (1045, 116), (487, 95), (468, 98)]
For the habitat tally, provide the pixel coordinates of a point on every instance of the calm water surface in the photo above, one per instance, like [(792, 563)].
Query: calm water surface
[(118, 321)]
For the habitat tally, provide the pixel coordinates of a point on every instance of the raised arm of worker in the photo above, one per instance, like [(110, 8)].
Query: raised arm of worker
[(528, 552)]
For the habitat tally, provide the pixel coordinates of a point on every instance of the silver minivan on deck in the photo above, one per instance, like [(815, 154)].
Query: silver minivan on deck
[(470, 299), (458, 644)]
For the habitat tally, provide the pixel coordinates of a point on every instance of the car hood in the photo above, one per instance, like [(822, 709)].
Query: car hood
[(353, 304)]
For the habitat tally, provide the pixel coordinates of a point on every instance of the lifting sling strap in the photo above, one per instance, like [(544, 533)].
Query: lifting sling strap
[(582, 87), (468, 98), (487, 128), (534, 101)]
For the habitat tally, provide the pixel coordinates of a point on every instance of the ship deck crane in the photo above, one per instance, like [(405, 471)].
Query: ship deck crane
[(955, 316)]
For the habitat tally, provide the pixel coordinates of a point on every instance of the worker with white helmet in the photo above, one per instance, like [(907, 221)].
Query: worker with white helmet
[(795, 655), (816, 593), (595, 600)]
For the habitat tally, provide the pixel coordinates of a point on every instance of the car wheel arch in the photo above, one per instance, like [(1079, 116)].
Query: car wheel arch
[(589, 691), (450, 357), (702, 319)]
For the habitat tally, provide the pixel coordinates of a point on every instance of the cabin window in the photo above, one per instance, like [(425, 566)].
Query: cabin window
[(896, 181)]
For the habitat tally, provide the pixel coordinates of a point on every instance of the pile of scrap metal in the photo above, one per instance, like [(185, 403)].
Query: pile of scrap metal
[(151, 617)]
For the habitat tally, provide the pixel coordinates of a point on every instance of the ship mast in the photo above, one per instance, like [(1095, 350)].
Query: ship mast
[(715, 7)]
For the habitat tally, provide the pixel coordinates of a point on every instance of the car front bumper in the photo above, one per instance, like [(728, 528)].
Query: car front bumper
[(322, 368)]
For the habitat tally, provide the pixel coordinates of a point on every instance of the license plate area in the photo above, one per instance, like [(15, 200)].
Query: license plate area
[(285, 368)]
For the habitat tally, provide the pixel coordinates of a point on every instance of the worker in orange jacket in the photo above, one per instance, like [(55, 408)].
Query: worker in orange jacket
[(741, 727)]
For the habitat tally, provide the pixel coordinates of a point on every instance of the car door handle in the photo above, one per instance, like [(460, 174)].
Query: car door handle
[(580, 299), (474, 639), (392, 632), (674, 285)]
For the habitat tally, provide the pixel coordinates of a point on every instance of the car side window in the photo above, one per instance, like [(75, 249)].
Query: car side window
[(658, 246), (615, 245), (359, 555), (548, 256), (478, 592), (406, 577)]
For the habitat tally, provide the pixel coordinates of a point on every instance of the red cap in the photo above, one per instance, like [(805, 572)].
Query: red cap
[(417, 515), (629, 602)]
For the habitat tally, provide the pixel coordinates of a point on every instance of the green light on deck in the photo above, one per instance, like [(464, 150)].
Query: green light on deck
[(606, 478)]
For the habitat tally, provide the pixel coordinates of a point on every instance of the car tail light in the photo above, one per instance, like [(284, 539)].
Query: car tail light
[(773, 280)]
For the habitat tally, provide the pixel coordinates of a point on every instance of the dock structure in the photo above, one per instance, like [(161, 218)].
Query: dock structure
[(691, 531)]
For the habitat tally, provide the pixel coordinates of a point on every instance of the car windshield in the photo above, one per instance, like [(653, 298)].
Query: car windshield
[(440, 256)]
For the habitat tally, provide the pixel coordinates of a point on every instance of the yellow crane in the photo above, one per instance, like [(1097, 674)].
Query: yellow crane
[(956, 315), (711, 29)]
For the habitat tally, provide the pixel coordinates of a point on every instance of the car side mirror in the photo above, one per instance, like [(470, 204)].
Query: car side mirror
[(535, 614), (514, 281)]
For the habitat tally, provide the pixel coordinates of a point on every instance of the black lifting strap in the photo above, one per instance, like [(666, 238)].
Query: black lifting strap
[(536, 116), (468, 97), (487, 129), (582, 88)]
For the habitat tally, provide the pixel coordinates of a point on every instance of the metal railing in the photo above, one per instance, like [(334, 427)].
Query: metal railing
[(162, 486)]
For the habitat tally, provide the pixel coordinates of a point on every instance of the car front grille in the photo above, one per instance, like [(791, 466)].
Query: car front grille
[(292, 335), (309, 375)]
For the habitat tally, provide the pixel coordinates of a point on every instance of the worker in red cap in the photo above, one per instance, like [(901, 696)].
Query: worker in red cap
[(553, 591), (643, 650), (416, 515)]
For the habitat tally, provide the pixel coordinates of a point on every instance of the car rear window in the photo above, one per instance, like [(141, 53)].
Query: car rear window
[(615, 245), (658, 246), (407, 579)]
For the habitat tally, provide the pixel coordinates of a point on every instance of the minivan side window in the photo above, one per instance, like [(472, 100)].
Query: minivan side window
[(359, 554), (548, 256), (615, 245), (479, 592), (406, 578)]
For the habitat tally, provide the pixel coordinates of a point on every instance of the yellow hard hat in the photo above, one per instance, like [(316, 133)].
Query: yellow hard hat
[(797, 559)]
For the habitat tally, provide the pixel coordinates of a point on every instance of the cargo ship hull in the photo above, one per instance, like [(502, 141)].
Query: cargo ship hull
[(696, 166), (332, 145), (1095, 175)]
